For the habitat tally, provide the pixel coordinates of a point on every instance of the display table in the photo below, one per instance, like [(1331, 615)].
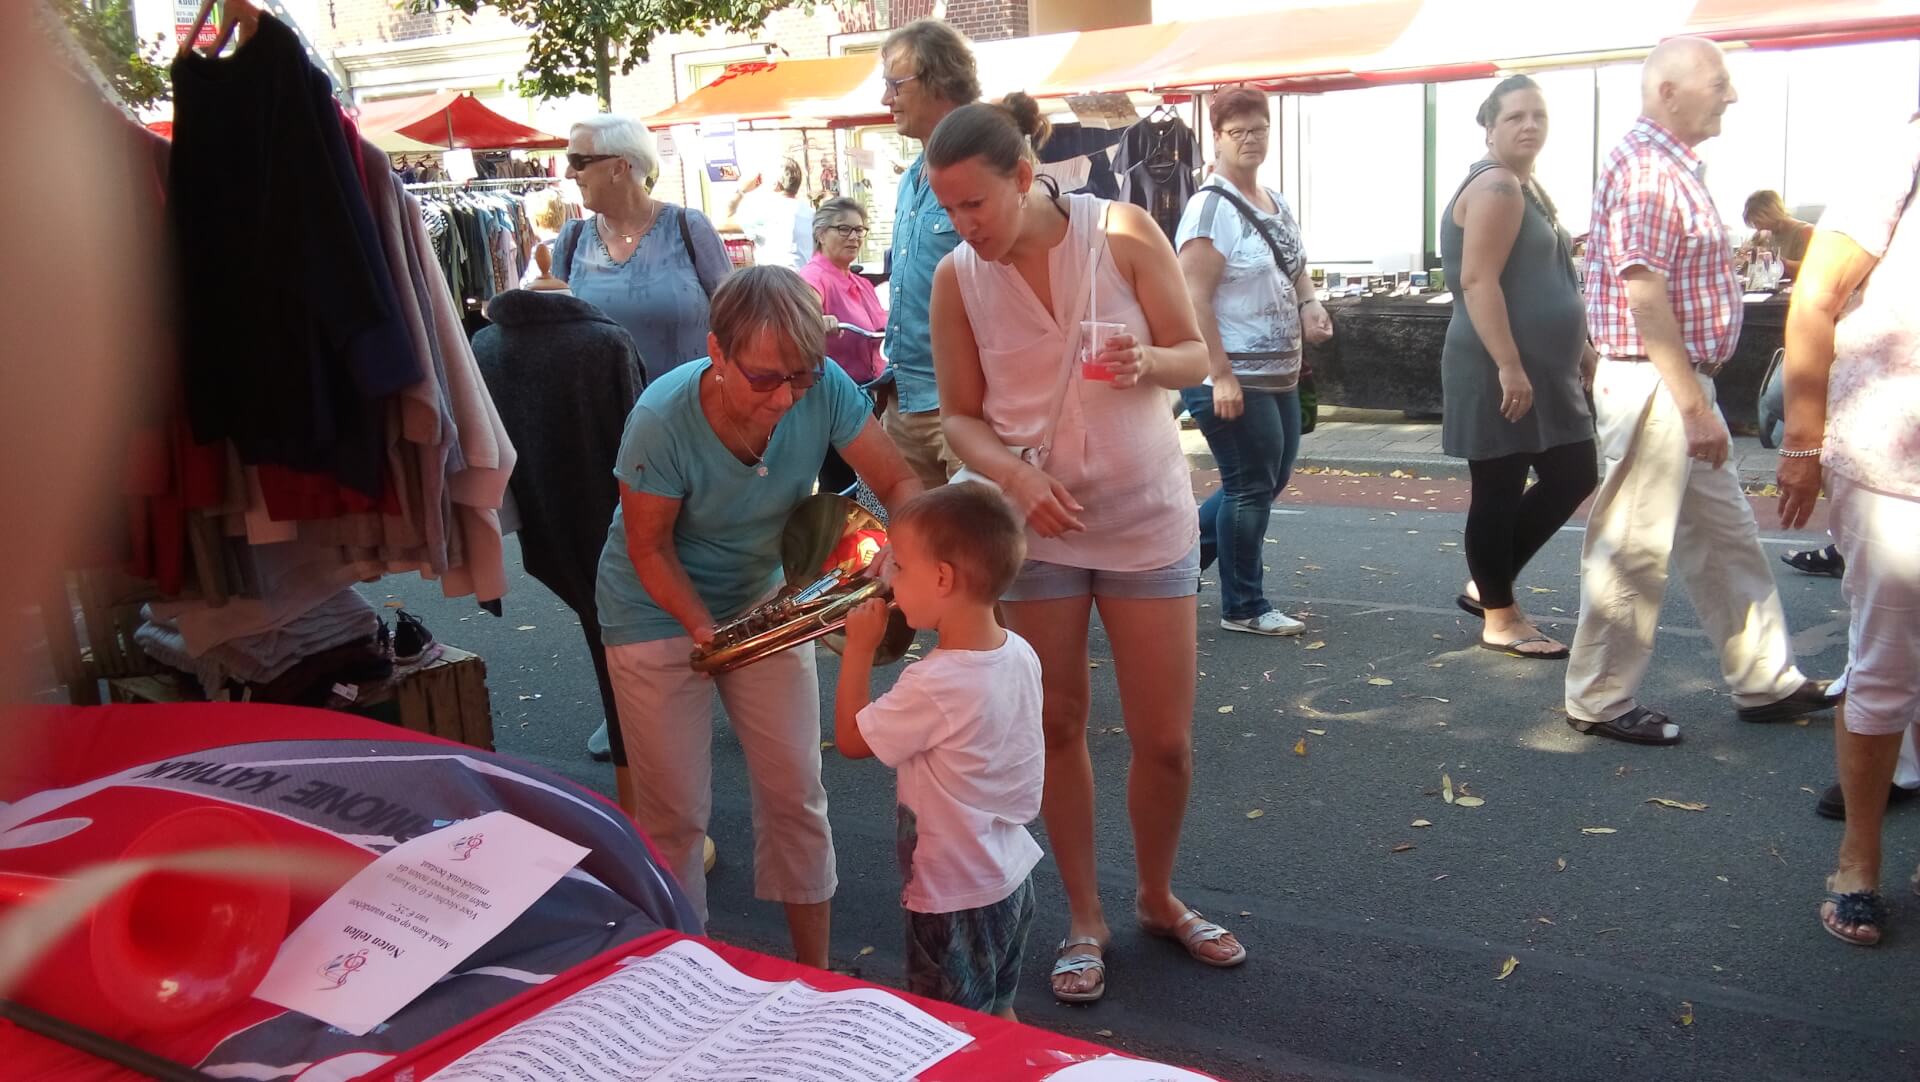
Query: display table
[(1385, 354), (81, 783)]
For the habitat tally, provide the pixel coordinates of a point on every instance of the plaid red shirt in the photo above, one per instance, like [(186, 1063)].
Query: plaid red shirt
[(1651, 209)]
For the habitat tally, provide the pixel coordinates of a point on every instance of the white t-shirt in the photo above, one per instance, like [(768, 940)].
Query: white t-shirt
[(768, 218), (1255, 303), (962, 729)]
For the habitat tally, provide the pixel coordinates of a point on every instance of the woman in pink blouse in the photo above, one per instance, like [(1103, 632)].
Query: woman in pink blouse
[(839, 228), (1853, 407)]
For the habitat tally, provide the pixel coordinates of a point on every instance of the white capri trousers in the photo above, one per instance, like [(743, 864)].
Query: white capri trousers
[(666, 718), (1879, 534)]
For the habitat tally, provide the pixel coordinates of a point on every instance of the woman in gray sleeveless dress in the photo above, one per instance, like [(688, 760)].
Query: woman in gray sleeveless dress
[(1514, 366)]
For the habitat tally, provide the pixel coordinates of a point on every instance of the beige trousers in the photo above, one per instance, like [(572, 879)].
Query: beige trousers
[(922, 442), (1658, 506), (666, 719)]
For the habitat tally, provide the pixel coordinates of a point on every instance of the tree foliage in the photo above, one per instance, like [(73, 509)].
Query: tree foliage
[(578, 45), (104, 29)]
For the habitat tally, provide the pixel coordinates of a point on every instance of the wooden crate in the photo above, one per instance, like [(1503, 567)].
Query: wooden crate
[(447, 697)]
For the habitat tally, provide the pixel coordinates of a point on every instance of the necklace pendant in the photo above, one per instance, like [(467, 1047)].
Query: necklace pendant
[(760, 470)]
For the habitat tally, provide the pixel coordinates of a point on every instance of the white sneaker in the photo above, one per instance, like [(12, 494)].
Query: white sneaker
[(1271, 622)]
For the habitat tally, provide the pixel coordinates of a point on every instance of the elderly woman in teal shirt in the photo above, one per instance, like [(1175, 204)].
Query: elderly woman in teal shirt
[(716, 455)]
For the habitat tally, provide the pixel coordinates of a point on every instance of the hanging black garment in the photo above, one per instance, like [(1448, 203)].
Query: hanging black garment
[(290, 340), (1156, 163)]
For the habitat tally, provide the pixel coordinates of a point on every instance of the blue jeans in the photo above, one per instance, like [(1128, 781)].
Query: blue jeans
[(1255, 453)]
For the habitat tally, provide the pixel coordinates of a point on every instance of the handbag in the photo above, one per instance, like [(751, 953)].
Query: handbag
[(1036, 456)]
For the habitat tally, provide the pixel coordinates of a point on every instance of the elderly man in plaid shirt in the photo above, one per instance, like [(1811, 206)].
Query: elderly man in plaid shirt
[(1664, 309)]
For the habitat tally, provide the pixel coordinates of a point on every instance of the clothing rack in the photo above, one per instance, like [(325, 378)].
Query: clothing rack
[(485, 185)]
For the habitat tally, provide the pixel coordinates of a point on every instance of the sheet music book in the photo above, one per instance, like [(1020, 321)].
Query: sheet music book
[(684, 1015)]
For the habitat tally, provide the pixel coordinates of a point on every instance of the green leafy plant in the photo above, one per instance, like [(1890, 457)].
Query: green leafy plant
[(136, 69), (578, 45)]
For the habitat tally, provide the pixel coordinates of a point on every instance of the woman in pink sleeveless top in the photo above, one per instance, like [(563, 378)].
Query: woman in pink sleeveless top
[(1102, 484)]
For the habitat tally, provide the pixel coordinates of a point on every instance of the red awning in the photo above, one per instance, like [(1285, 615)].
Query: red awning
[(452, 120)]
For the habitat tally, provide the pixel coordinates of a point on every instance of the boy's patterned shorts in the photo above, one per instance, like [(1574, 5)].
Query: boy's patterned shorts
[(970, 958)]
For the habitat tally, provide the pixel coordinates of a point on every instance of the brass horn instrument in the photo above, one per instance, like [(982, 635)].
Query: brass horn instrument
[(825, 548)]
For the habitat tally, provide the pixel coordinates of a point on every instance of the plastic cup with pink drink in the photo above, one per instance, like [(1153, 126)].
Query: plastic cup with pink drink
[(1094, 336)]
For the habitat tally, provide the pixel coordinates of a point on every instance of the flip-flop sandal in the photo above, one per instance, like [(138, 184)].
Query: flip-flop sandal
[(1198, 930), (1470, 606), (1512, 649), (1859, 908), (1079, 963)]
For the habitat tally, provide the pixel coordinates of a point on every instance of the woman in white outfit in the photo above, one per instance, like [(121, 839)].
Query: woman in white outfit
[(1095, 466)]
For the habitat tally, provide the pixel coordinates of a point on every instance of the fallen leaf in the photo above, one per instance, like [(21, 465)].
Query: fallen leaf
[(825, 744), (1255, 813), (1436, 698), (1403, 847), (1622, 771), (864, 951), (1318, 732), (1723, 879), (1314, 665), (1446, 788), (1380, 682), (395, 604), (1541, 590), (1316, 646), (1093, 664), (524, 627), (1507, 968), (1441, 876), (1808, 791), (1421, 823), (1103, 1033), (1246, 913), (1226, 710), (529, 698), (1300, 748), (1545, 921), (1598, 830), (1560, 865), (1802, 722), (1686, 1013), (1467, 802), (1681, 805), (1606, 931)]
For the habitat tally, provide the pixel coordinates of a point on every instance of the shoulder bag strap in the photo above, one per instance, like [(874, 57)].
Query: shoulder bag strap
[(1070, 363), (563, 246), (1254, 223)]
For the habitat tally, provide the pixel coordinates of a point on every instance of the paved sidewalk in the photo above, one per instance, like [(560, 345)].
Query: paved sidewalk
[(1381, 441)]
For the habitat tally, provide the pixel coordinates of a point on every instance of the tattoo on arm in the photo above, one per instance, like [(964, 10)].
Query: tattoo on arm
[(1504, 187)]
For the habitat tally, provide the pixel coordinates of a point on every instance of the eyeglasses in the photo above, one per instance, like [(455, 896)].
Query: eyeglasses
[(579, 162), (1243, 135), (765, 383), (849, 230), (894, 85)]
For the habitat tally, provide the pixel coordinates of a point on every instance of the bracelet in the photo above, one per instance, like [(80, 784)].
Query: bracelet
[(1811, 452)]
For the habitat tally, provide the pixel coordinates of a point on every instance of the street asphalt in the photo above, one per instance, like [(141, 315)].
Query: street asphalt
[(1680, 944)]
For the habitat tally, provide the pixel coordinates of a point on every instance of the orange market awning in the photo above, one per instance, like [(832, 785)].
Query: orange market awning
[(450, 120), (836, 90), (1307, 47)]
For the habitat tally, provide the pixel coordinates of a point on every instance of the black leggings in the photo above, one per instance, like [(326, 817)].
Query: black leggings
[(609, 706), (1508, 522)]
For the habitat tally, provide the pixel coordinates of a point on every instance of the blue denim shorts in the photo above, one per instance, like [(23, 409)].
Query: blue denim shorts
[(1041, 581)]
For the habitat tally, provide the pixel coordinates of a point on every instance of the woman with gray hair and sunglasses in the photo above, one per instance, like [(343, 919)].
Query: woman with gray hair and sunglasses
[(716, 455), (648, 264)]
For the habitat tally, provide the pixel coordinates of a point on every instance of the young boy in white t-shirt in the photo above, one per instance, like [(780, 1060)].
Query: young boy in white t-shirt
[(962, 729)]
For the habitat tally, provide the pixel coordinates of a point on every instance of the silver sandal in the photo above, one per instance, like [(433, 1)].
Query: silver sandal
[(1080, 963)]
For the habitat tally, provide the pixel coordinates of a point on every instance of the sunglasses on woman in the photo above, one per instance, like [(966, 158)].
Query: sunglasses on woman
[(579, 162), (766, 382)]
